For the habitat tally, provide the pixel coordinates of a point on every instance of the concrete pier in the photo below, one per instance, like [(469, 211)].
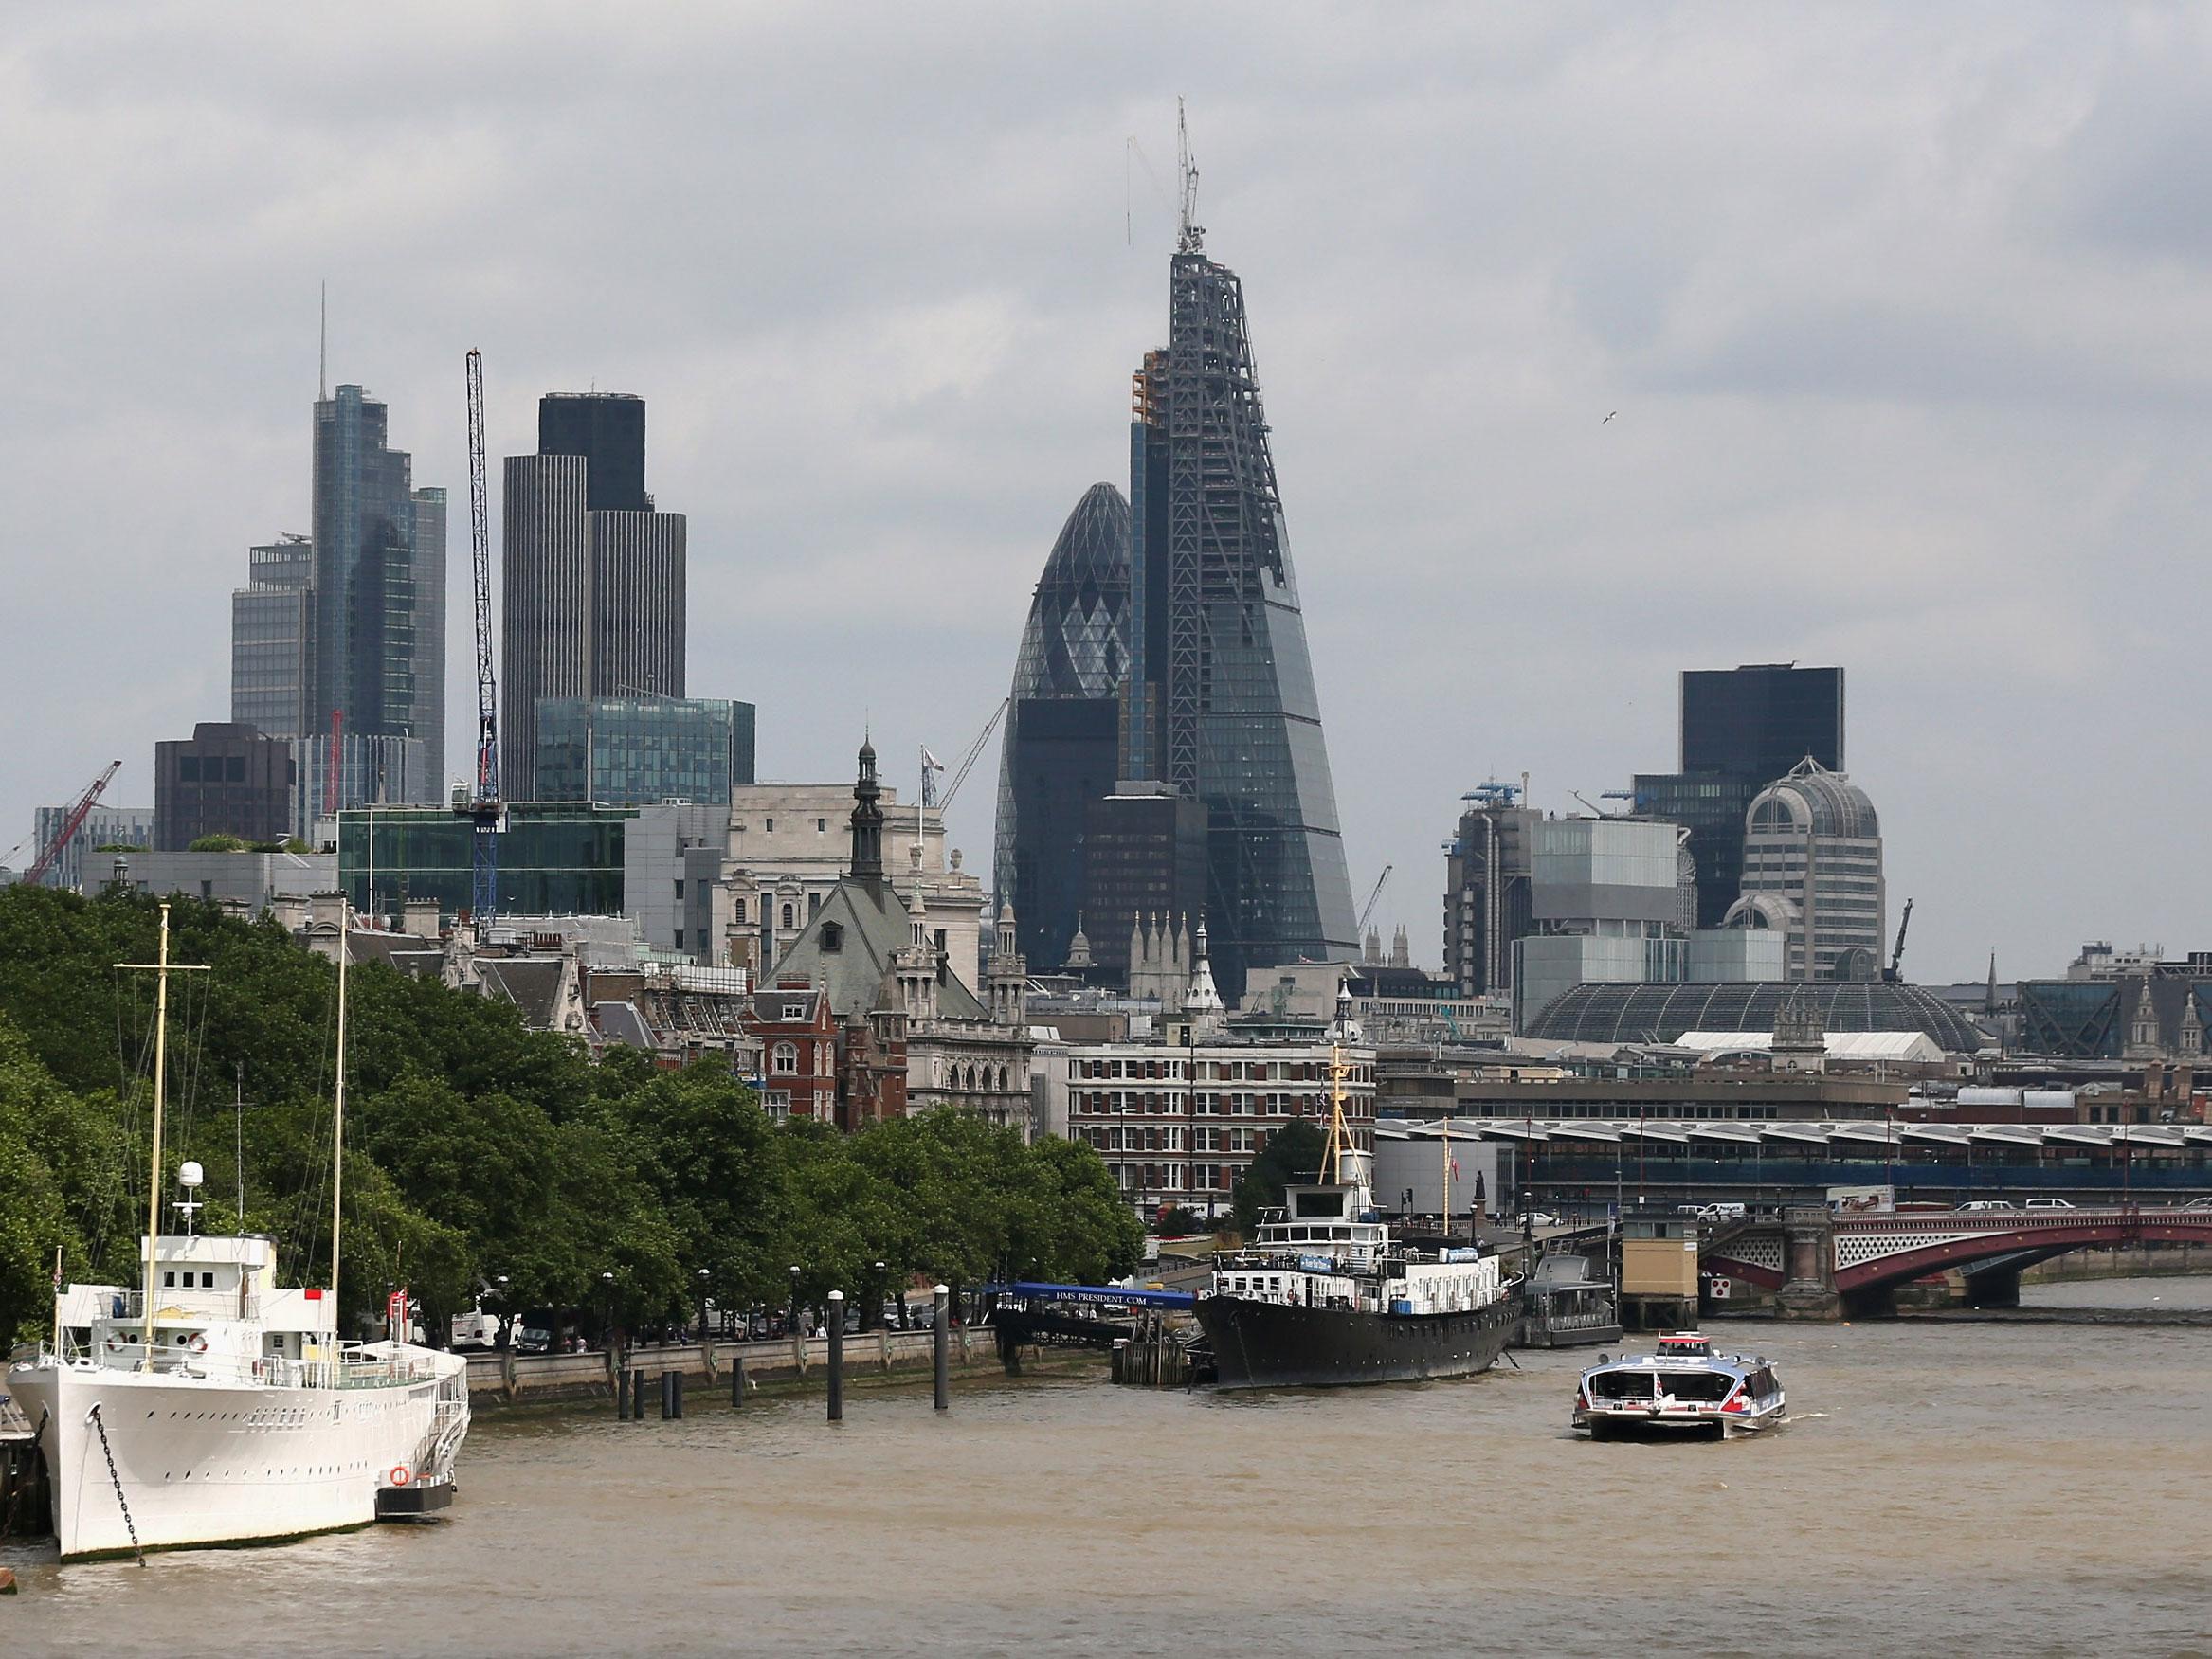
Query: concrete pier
[(497, 1377)]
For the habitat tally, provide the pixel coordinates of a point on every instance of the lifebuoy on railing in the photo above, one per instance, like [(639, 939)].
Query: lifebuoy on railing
[(400, 1475), (197, 1343), (114, 1344)]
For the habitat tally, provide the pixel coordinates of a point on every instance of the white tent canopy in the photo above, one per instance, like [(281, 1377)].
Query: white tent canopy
[(1895, 1047)]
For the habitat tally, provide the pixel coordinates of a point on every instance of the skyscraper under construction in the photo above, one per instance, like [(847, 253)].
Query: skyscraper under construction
[(1220, 700)]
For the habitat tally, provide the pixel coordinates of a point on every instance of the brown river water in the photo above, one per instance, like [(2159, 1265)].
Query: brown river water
[(1939, 1489)]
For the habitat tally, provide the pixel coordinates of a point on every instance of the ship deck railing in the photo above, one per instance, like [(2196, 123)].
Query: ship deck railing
[(113, 1353)]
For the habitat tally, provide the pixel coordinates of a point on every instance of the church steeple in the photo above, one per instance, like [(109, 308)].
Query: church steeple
[(867, 820)]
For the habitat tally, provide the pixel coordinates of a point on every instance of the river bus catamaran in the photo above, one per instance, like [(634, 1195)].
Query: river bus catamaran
[(211, 1406), (1683, 1388), (1325, 1296)]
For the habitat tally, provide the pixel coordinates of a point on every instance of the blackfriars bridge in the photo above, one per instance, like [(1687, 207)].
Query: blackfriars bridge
[(1821, 1264)]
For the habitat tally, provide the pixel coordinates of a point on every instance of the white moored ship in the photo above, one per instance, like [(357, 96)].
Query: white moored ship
[(211, 1406)]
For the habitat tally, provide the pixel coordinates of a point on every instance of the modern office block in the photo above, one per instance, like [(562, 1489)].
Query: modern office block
[(1220, 700), (225, 778), (272, 639), (636, 750), (1741, 728), (1489, 876), (593, 580), (560, 859), (1062, 738), (1762, 719), (1144, 852)]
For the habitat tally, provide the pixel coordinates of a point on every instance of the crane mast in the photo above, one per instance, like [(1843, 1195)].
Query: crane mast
[(484, 811), (70, 825)]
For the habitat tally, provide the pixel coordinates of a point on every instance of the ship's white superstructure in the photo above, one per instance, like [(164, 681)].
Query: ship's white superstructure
[(246, 1420)]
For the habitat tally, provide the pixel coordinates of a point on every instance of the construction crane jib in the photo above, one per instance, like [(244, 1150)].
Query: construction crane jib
[(485, 811), (70, 825)]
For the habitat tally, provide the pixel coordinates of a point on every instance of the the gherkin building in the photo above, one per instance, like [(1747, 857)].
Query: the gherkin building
[(1063, 723)]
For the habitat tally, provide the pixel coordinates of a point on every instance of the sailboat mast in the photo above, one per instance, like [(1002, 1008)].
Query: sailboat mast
[(338, 1150), (154, 1169)]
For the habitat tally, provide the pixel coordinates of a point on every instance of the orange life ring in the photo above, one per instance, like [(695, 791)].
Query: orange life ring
[(399, 1475)]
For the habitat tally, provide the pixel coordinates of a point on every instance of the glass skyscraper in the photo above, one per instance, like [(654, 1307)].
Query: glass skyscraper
[(638, 750), (1742, 728), (1063, 725), (272, 639), (378, 651), (1221, 696)]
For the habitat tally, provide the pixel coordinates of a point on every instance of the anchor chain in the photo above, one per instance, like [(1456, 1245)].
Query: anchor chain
[(121, 1501)]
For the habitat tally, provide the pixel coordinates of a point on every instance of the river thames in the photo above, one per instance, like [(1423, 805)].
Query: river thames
[(1940, 1487)]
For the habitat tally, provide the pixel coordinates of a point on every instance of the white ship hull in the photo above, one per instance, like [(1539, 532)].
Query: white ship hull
[(208, 1461)]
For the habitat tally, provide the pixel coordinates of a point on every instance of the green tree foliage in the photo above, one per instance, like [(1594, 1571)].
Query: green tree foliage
[(221, 841), (1292, 1153), (477, 1150)]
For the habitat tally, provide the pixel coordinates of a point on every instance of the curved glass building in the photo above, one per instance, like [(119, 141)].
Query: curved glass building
[(1063, 725), (1656, 1014)]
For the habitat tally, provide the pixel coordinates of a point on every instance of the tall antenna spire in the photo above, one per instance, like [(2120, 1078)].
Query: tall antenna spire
[(322, 349), (1192, 237)]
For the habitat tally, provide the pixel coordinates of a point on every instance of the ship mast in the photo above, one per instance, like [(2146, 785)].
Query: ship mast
[(338, 1150), (161, 969), (1339, 1142)]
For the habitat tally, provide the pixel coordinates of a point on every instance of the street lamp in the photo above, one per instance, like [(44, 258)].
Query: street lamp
[(875, 1314), (791, 1319), (506, 1312), (703, 1304), (607, 1282)]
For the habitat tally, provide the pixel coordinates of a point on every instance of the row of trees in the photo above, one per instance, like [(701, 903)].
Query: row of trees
[(476, 1150)]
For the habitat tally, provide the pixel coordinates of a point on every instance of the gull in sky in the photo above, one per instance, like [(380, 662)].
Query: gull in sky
[(1608, 417)]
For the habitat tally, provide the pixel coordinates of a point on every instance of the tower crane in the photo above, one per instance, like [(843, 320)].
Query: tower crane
[(1898, 955), (485, 810), (967, 761), (1370, 911), (70, 825)]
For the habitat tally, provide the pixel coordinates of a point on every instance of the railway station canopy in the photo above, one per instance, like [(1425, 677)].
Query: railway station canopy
[(1647, 1014)]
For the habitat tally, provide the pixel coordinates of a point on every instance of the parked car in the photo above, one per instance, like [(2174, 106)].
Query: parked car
[(2048, 1204), (1984, 1206), (2202, 1204), (1538, 1219)]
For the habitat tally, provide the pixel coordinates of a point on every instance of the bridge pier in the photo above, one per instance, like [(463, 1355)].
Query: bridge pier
[(1998, 1288), (1808, 1254)]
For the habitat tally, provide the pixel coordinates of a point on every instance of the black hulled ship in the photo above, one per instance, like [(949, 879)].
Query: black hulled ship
[(1324, 1296)]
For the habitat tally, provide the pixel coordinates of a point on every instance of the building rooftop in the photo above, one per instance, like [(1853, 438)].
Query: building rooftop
[(1618, 1013)]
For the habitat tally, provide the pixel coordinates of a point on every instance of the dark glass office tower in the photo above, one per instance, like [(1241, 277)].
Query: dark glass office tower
[(608, 429), (1762, 719), (1221, 702), (1742, 728), (379, 647), (1063, 726), (593, 579)]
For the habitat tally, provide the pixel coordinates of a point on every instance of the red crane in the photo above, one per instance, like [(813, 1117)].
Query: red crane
[(70, 825)]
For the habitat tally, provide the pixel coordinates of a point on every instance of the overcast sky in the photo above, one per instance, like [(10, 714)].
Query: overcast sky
[(1907, 313)]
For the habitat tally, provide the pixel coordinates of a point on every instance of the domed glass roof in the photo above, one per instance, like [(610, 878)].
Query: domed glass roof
[(1658, 1014), (1813, 797)]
